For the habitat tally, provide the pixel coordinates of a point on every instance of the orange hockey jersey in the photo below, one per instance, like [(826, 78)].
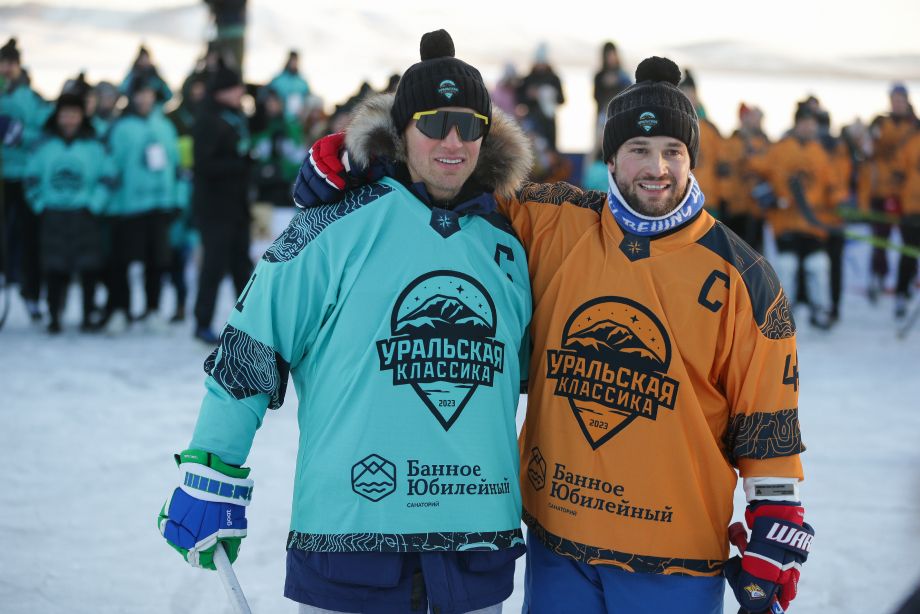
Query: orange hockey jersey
[(738, 186), (910, 162), (807, 160), (659, 367), (887, 175), (708, 160)]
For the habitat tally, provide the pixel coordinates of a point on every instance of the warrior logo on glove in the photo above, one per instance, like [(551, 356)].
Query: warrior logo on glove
[(443, 342), (613, 367)]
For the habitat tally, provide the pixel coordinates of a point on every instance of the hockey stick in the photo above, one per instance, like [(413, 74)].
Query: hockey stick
[(909, 322), (737, 535), (231, 584), (798, 195)]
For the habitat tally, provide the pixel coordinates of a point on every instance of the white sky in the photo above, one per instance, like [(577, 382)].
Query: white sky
[(345, 42)]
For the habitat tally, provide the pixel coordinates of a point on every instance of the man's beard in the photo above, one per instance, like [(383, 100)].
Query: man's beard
[(658, 208)]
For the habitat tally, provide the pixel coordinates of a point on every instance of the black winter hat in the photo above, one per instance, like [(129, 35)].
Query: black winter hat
[(141, 79), (804, 111), (653, 106), (223, 78), (439, 80), (9, 51)]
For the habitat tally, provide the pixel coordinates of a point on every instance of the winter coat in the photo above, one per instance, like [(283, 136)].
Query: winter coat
[(910, 162), (277, 152), (886, 175), (68, 183), (221, 166), (608, 82), (27, 112), (708, 162), (739, 181), (69, 175), (145, 153), (789, 158), (293, 90)]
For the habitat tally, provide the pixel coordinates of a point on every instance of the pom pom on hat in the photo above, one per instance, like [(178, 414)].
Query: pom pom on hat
[(437, 44), (658, 69)]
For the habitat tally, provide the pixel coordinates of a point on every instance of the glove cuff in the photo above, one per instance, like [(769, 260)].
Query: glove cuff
[(206, 484), (209, 459)]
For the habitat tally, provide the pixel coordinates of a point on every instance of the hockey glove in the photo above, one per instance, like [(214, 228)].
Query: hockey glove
[(326, 173), (770, 567), (207, 509)]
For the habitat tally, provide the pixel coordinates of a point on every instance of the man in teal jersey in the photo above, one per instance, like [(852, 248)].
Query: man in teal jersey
[(22, 115), (144, 147), (67, 182), (400, 313), (291, 87)]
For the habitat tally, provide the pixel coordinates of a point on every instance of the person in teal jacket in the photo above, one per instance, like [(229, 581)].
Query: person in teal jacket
[(277, 151), (143, 69), (144, 148), (291, 87), (23, 112), (401, 314), (67, 180)]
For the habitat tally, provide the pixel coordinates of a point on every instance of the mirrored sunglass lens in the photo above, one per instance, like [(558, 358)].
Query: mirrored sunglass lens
[(464, 123), (438, 125), (433, 125)]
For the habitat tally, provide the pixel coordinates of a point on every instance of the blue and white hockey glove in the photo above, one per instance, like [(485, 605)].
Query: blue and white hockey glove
[(207, 509)]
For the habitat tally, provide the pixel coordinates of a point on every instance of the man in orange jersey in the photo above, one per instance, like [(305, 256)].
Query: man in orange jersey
[(889, 134), (910, 223), (743, 214), (664, 364)]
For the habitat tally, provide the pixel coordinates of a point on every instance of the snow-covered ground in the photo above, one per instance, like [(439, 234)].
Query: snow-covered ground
[(88, 425)]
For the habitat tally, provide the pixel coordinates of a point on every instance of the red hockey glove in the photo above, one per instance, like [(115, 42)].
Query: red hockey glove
[(771, 564)]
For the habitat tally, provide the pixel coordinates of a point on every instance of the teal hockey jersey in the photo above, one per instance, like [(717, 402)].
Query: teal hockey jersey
[(402, 327)]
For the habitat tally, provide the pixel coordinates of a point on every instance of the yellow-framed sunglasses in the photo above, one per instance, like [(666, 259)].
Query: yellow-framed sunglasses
[(438, 123)]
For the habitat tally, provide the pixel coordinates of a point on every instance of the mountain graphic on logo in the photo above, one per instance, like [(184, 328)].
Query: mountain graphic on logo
[(607, 337), (441, 313)]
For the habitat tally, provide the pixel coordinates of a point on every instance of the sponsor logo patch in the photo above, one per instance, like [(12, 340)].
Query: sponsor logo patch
[(647, 121), (448, 89), (754, 591), (373, 477)]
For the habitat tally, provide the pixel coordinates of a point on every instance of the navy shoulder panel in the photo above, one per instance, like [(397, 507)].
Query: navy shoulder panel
[(307, 224), (500, 222), (771, 307)]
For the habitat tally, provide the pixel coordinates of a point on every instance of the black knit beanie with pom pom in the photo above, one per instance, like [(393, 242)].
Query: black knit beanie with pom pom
[(439, 80), (653, 106)]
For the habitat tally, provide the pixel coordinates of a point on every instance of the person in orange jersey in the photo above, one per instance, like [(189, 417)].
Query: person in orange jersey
[(663, 366), (709, 168), (886, 183), (910, 223), (799, 225), (743, 214)]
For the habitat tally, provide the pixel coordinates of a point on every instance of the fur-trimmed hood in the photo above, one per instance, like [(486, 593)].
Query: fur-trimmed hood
[(504, 162)]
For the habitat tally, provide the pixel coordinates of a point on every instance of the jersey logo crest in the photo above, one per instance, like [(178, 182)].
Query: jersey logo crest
[(373, 477), (612, 366), (442, 344)]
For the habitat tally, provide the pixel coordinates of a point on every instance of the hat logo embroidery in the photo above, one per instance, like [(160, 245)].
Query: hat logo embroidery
[(448, 89), (647, 121)]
